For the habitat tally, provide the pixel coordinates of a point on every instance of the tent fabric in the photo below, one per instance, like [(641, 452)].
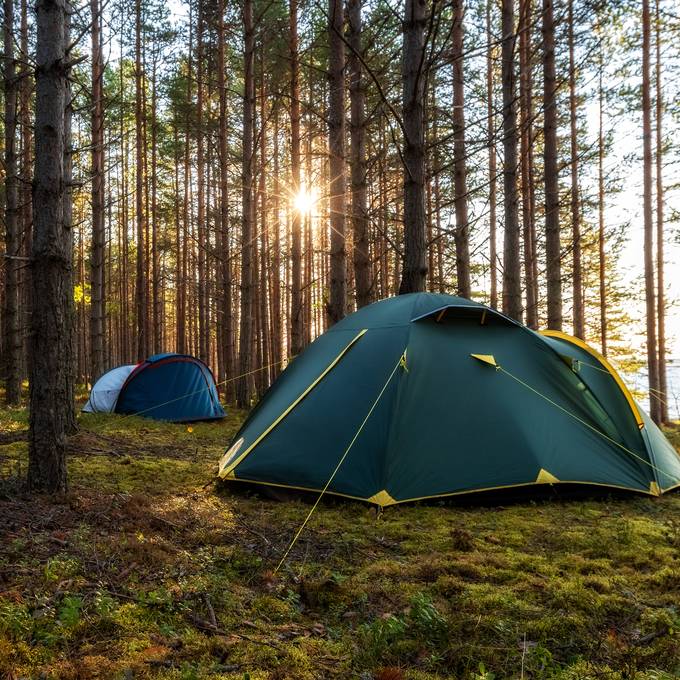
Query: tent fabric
[(170, 387), (480, 402), (104, 392)]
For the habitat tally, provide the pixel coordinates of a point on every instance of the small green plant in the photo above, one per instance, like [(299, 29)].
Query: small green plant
[(426, 619), (15, 621), (58, 568), (70, 611), (482, 674)]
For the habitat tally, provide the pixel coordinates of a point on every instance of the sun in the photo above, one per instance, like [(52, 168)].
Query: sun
[(306, 199)]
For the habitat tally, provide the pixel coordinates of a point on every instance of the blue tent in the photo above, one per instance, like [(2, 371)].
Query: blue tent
[(172, 387)]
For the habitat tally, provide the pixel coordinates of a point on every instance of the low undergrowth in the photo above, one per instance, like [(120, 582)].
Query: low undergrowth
[(146, 569)]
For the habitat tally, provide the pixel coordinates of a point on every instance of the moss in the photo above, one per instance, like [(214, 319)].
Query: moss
[(145, 568)]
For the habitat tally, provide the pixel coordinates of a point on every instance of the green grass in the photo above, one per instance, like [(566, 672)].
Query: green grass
[(146, 569)]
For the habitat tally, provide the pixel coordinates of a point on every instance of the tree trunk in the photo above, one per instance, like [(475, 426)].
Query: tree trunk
[(336, 152), (98, 227), (140, 282), (296, 226), (652, 349), (602, 269), (225, 262), (11, 328), (26, 174), (263, 291), (462, 236), (526, 165), (276, 324), (156, 306), (660, 283), (51, 381), (512, 285), (244, 389), (579, 320), (552, 195), (182, 266), (357, 95), (200, 198), (491, 141), (414, 272)]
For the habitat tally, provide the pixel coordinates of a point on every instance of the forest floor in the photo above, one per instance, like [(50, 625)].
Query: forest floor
[(147, 569)]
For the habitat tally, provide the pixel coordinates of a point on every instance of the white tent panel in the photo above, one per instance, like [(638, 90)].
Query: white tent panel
[(104, 393)]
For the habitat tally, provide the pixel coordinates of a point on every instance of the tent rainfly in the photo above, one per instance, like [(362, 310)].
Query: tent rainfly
[(171, 387), (422, 396)]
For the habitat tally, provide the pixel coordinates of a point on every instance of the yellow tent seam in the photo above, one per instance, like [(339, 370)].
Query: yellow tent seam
[(610, 369), (223, 473), (447, 494)]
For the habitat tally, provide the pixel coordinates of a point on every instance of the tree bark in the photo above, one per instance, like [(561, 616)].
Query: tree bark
[(526, 165), (156, 282), (512, 286), (25, 183), (225, 266), (552, 196), (296, 217), (51, 380), (357, 95), (414, 272), (11, 327), (98, 228), (200, 191), (141, 271), (336, 150), (491, 141), (652, 349), (244, 388), (602, 269), (263, 290), (578, 315), (660, 282), (276, 323), (462, 232)]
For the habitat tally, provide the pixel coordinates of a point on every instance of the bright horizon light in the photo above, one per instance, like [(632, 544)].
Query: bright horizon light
[(306, 199)]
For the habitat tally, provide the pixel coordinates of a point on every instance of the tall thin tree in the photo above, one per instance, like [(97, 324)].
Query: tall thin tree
[(359, 169), (141, 271), (51, 380), (491, 142), (225, 255), (244, 388), (526, 162), (414, 271), (97, 304), (512, 283), (553, 248), (648, 216), (578, 312), (11, 327), (602, 263), (660, 236), (336, 148), (296, 319), (462, 232)]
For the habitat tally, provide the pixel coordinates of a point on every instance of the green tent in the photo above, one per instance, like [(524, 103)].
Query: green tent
[(424, 395)]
